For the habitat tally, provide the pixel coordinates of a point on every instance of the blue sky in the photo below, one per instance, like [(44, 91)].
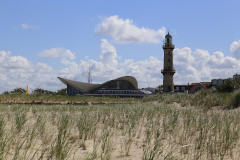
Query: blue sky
[(41, 40)]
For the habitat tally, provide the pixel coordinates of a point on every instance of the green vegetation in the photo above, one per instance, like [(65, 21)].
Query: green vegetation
[(229, 85), (122, 131), (38, 91), (203, 99), (23, 98), (16, 90)]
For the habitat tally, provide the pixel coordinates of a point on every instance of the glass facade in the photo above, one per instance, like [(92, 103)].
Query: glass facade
[(116, 85), (72, 91)]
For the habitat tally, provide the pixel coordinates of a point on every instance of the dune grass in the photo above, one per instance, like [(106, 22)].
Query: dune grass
[(18, 97), (122, 131), (203, 98)]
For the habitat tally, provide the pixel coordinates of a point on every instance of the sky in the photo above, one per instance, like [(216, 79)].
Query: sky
[(43, 39)]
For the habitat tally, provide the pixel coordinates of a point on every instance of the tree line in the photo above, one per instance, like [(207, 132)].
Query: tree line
[(62, 91), (229, 85)]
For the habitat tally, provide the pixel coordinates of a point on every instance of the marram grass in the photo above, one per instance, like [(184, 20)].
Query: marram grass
[(203, 99), (21, 98), (123, 131)]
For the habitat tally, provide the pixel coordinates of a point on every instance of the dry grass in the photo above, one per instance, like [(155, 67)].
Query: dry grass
[(18, 98), (131, 131), (202, 99)]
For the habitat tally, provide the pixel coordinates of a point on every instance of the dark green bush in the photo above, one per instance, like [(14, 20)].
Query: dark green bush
[(229, 85), (235, 100)]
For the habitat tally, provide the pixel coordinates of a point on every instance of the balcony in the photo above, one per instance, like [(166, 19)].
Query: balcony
[(170, 45), (168, 70)]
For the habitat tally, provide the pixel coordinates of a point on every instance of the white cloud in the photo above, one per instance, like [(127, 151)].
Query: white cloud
[(201, 66), (148, 71), (18, 71), (58, 52), (124, 31), (43, 67), (235, 49), (183, 55), (28, 26), (65, 61), (14, 62), (201, 54), (217, 60), (109, 54)]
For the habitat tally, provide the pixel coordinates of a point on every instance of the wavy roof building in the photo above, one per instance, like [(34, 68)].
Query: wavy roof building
[(123, 86)]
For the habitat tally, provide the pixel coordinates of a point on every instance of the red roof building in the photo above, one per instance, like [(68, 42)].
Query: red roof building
[(194, 87)]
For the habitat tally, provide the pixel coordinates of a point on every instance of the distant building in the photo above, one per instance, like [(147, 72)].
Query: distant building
[(151, 89), (236, 76), (181, 89), (194, 87), (215, 82), (123, 87)]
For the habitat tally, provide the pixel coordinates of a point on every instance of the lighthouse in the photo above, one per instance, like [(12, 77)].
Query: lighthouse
[(168, 69)]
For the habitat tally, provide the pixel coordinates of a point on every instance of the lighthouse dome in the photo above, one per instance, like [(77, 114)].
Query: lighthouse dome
[(168, 35)]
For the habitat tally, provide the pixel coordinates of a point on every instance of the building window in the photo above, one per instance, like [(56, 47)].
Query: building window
[(198, 88), (169, 87), (110, 91), (219, 82), (120, 84), (214, 82), (169, 52), (169, 67), (113, 92), (168, 60), (182, 88), (177, 88)]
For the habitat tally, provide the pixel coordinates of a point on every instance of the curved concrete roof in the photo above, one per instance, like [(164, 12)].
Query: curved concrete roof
[(88, 87)]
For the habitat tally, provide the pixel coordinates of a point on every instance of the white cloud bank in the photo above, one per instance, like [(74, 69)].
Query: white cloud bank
[(235, 49), (109, 54), (124, 31), (201, 66), (57, 52), (191, 66), (17, 71)]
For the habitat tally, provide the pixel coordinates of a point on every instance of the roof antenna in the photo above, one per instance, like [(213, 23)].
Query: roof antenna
[(89, 75)]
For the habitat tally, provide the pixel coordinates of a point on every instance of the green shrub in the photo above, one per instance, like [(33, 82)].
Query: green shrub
[(229, 85), (235, 99)]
